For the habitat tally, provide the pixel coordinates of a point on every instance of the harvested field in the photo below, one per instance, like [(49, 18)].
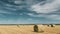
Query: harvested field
[(28, 29)]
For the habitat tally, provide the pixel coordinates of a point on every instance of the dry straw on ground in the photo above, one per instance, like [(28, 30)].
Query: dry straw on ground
[(28, 29)]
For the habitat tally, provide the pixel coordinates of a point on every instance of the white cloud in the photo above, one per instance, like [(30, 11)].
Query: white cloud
[(20, 7), (21, 14), (29, 19), (12, 9), (2, 11), (53, 17), (8, 5), (47, 7), (35, 15), (32, 15), (18, 2), (6, 12)]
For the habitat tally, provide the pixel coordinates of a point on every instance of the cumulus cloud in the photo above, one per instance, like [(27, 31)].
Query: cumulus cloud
[(48, 7)]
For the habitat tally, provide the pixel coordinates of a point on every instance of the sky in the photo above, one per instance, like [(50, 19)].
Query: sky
[(29, 11)]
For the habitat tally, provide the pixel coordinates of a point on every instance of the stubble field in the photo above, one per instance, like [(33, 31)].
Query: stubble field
[(28, 29)]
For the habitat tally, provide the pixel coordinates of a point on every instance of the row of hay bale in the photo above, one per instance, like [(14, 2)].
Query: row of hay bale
[(51, 25), (36, 27)]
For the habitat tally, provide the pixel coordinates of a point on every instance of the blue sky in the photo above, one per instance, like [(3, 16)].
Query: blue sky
[(29, 11)]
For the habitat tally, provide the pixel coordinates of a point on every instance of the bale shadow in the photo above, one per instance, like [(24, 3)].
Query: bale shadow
[(39, 31)]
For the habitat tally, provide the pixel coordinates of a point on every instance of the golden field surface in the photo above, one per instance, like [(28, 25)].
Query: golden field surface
[(28, 29)]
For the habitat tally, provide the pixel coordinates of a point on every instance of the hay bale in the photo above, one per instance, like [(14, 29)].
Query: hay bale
[(35, 28), (48, 25), (52, 25), (41, 28)]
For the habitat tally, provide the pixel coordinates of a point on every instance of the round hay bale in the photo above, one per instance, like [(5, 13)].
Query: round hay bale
[(48, 25), (54, 25), (35, 28), (51, 25)]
